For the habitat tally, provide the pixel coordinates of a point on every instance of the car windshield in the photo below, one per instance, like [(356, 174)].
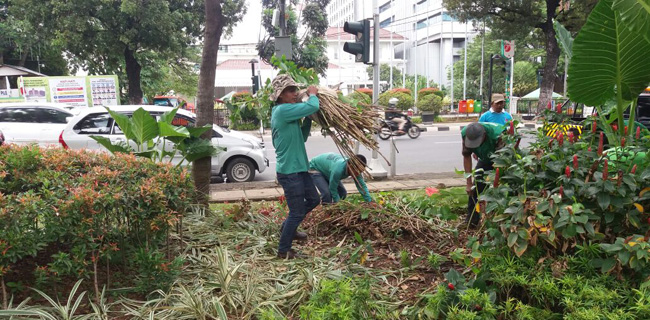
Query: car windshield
[(167, 102), (644, 107)]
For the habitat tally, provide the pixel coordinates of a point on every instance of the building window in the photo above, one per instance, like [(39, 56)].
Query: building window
[(422, 24), (384, 7), (386, 22), (223, 48), (447, 17)]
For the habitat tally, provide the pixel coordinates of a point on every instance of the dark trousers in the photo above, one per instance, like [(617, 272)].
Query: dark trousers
[(302, 198), (473, 216), (323, 186)]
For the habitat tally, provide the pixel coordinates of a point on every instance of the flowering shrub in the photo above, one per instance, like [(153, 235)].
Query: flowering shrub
[(563, 190), (427, 91), (87, 208)]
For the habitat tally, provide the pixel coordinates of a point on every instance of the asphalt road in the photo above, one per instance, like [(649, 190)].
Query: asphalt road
[(432, 152)]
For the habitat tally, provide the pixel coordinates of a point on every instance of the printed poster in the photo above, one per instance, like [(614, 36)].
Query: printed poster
[(35, 89), (69, 90), (103, 91)]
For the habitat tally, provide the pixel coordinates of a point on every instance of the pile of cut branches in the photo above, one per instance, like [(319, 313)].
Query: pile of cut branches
[(346, 124), (375, 223)]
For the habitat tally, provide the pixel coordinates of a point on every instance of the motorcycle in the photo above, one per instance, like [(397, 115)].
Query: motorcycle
[(388, 128)]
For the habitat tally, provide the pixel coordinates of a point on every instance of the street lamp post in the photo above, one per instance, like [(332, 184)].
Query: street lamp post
[(492, 58), (254, 77)]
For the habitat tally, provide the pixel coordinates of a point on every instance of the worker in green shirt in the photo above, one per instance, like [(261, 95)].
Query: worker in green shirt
[(481, 139), (328, 169), (290, 128)]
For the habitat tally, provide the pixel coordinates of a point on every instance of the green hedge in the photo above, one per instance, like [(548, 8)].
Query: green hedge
[(66, 214), (430, 102), (405, 100)]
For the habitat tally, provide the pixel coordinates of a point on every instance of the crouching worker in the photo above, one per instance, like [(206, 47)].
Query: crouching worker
[(328, 169)]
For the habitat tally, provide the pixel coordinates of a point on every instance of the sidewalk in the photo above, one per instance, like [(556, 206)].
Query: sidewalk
[(257, 191)]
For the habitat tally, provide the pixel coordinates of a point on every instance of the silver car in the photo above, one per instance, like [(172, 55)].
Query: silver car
[(243, 155)]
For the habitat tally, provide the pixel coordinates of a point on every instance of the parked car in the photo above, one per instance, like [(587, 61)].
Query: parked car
[(243, 155), (27, 123), (173, 101)]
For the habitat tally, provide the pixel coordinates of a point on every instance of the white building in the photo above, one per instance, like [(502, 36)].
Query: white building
[(435, 38)]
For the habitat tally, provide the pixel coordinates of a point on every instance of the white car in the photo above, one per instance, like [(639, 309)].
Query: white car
[(28, 123), (243, 156)]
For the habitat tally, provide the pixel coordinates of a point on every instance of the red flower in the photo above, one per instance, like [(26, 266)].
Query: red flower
[(496, 178), (570, 135), (282, 199), (626, 130), (560, 138), (575, 161), (615, 127), (594, 127), (633, 169), (605, 169), (638, 133), (431, 191), (562, 191), (517, 143), (451, 286), (548, 106), (511, 131), (623, 142), (558, 108), (600, 144), (567, 172)]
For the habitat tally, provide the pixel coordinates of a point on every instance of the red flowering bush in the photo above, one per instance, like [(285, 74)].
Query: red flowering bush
[(87, 209)]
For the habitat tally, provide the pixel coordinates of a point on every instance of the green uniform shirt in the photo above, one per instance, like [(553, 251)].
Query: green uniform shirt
[(289, 136), (487, 148), (334, 167)]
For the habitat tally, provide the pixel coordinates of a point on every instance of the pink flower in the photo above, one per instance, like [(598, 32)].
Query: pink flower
[(431, 191)]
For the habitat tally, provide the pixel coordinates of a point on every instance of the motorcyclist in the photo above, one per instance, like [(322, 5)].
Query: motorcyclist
[(395, 115)]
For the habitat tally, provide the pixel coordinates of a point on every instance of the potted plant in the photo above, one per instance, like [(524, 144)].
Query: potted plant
[(430, 106)]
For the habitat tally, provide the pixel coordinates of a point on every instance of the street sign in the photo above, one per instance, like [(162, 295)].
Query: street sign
[(508, 48)]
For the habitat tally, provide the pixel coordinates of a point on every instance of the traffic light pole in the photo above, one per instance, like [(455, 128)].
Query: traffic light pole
[(375, 168)]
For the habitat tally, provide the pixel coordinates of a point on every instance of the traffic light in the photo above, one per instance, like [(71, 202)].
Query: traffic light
[(361, 47)]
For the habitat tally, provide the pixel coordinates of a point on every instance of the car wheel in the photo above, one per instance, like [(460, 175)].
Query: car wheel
[(240, 170)]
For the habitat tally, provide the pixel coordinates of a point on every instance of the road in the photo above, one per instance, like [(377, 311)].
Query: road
[(436, 151)]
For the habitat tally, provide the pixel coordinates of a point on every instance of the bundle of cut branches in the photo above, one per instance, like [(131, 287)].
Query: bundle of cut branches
[(346, 124), (375, 223)]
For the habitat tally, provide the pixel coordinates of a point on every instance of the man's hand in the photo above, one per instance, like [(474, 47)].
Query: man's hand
[(475, 156), (312, 90), (469, 186)]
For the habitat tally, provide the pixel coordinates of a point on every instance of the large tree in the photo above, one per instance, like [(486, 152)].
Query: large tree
[(106, 37), (221, 16), (308, 49), (516, 18), (26, 39)]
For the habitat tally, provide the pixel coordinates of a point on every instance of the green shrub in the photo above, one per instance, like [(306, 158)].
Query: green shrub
[(84, 209), (343, 299), (440, 94), (416, 119), (405, 101), (430, 102)]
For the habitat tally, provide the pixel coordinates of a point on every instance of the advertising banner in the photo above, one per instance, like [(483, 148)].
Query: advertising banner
[(103, 91), (35, 89), (69, 90)]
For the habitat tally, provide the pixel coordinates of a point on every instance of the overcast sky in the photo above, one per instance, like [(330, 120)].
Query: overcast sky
[(248, 30)]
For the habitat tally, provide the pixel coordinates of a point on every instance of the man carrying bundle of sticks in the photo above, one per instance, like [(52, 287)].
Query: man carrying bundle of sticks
[(289, 135), (328, 169)]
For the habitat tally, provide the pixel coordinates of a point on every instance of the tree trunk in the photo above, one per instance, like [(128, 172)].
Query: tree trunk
[(133, 69), (552, 56), (2, 57), (205, 103), (23, 59)]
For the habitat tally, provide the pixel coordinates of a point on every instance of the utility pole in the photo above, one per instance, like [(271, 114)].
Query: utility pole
[(375, 168), (465, 67), (283, 24), (451, 109), (392, 48)]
